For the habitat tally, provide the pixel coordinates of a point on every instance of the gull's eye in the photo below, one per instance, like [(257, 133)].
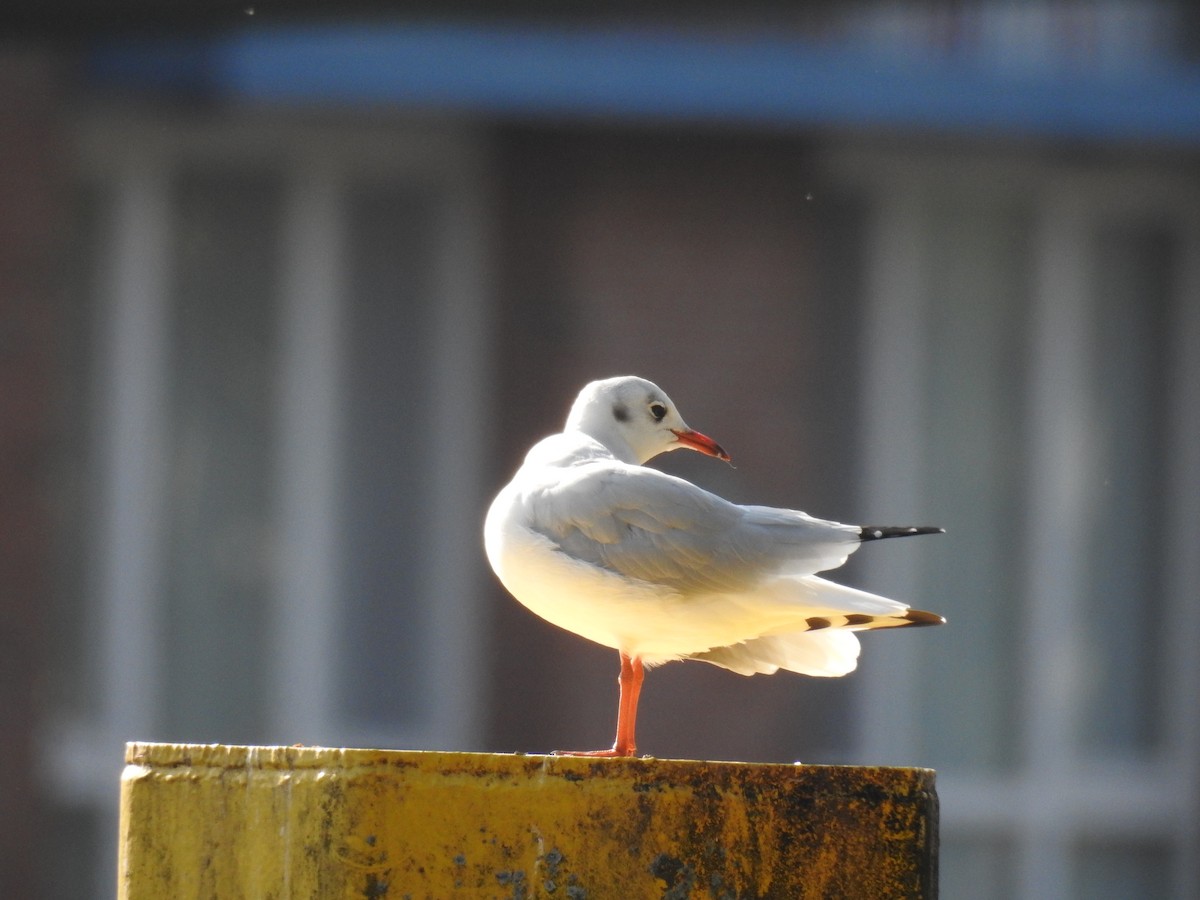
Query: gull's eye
[(658, 411)]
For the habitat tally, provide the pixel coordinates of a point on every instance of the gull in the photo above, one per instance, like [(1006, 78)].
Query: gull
[(659, 569)]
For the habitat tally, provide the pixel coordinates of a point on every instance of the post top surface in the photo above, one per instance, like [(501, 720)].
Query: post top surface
[(300, 757)]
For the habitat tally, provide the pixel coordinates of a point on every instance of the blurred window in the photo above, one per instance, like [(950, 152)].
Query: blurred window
[(283, 345), (1033, 386)]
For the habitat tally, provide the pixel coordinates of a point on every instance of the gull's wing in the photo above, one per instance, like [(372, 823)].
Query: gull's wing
[(642, 523)]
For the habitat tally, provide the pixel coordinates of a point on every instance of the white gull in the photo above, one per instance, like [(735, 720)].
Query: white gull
[(659, 569)]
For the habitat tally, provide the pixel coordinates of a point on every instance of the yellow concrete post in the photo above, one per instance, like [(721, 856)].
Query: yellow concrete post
[(308, 822)]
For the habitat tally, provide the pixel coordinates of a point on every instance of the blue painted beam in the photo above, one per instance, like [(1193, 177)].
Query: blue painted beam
[(499, 71)]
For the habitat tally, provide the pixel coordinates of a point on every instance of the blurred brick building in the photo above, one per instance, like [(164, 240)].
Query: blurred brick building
[(286, 290)]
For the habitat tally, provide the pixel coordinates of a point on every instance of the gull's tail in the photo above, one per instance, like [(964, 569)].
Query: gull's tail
[(823, 642)]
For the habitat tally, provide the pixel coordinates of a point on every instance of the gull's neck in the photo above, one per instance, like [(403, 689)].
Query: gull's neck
[(612, 440)]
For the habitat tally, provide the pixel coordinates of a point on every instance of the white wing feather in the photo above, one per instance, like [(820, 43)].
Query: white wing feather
[(645, 524), (823, 653)]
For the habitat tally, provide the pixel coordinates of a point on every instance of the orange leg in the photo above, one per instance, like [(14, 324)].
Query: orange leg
[(630, 683)]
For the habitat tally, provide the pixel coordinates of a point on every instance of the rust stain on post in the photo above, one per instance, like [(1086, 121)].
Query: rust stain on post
[(227, 822)]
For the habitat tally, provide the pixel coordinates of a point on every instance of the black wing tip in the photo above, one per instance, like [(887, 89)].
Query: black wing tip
[(919, 617), (879, 532), (911, 618)]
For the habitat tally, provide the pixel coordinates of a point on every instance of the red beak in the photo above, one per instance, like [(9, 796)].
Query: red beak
[(701, 443)]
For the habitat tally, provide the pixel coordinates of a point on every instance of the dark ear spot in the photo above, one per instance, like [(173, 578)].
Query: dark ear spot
[(621, 412)]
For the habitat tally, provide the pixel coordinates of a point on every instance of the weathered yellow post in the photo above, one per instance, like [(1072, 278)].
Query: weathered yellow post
[(308, 822)]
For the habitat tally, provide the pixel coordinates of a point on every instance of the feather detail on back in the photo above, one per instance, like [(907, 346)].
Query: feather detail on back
[(644, 524)]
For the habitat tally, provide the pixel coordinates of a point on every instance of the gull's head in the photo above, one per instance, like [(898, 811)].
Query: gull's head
[(635, 420)]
